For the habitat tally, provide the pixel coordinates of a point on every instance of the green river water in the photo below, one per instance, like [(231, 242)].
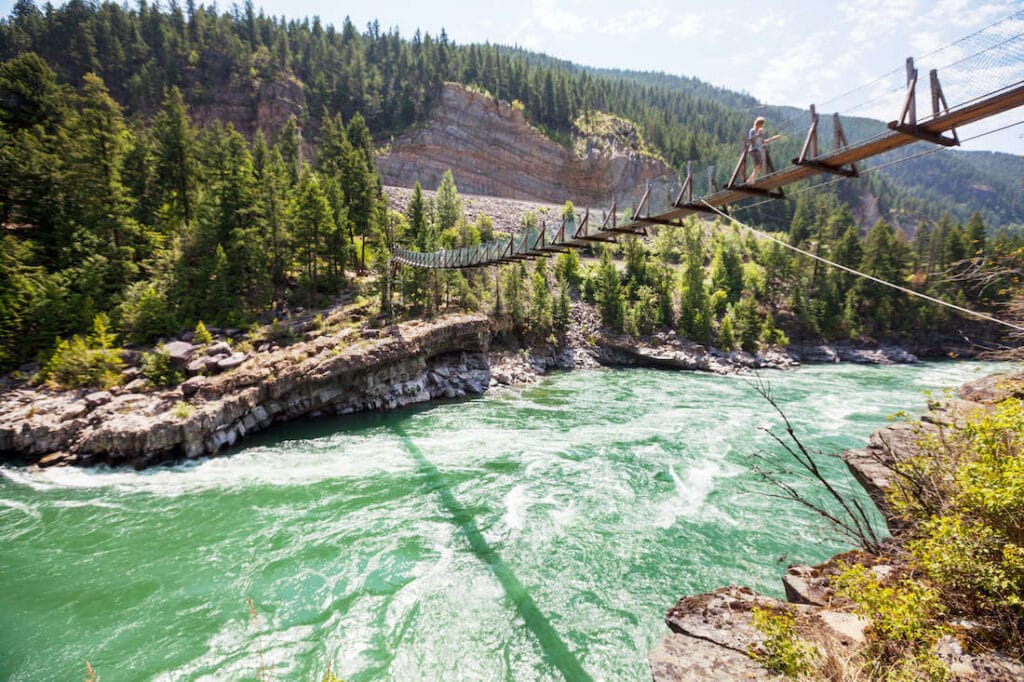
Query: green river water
[(534, 533)]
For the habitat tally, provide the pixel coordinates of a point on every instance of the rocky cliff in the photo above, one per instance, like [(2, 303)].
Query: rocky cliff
[(492, 150), (253, 106), (332, 374)]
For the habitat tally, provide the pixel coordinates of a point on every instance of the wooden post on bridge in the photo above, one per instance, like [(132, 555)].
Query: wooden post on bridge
[(907, 122), (811, 141)]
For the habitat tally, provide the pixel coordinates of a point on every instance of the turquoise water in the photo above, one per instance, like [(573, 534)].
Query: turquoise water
[(534, 533)]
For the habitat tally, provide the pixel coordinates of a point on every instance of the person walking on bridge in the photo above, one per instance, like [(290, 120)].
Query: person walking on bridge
[(756, 142)]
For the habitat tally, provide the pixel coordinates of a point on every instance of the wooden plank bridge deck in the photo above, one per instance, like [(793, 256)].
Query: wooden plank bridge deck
[(536, 243)]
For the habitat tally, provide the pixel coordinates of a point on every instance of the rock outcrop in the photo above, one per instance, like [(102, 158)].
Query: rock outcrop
[(334, 374), (492, 150), (252, 106)]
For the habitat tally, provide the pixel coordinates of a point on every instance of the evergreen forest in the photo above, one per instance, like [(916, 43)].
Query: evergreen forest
[(142, 195)]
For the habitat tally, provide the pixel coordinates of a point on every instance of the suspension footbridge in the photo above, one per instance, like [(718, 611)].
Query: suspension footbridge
[(938, 127)]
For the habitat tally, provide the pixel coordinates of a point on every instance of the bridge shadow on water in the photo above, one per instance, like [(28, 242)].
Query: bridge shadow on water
[(556, 653)]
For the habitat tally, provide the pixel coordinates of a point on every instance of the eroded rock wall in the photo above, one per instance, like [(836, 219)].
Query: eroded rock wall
[(404, 365), (492, 150)]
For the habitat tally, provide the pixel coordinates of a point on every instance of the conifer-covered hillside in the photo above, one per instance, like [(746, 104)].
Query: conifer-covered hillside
[(255, 71)]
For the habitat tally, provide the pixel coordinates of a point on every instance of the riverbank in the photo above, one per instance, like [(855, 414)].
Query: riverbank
[(334, 372), (713, 635), (313, 367)]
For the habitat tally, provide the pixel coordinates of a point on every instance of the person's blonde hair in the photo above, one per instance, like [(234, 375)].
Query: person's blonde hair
[(759, 119)]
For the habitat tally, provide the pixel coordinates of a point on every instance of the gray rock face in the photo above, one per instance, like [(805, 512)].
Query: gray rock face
[(492, 150), (712, 637), (679, 658), (329, 375), (823, 353), (620, 350)]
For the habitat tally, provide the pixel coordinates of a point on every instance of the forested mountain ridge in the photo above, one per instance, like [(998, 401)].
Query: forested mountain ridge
[(161, 168), (255, 71)]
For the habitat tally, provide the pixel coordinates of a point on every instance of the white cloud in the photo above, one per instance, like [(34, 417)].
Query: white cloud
[(689, 26), (631, 22), (869, 20), (548, 16)]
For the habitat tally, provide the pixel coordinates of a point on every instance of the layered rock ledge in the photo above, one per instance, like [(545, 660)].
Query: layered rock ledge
[(333, 374)]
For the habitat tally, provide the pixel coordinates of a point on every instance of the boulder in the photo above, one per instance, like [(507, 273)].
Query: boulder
[(712, 635), (230, 362), (56, 459), (722, 617), (804, 585), (180, 352), (218, 348), (137, 386), (848, 628), (197, 366), (993, 389), (192, 386), (212, 363), (94, 400)]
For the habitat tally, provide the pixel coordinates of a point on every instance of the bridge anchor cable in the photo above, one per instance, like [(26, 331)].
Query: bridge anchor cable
[(864, 275)]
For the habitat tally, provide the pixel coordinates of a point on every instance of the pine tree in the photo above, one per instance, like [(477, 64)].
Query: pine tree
[(312, 220), (882, 259), (727, 271), (175, 159), (975, 237), (449, 203), (726, 334), (694, 304), (610, 301), (100, 206)]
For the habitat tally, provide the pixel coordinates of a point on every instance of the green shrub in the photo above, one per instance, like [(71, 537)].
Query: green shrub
[(280, 333), (202, 335), (159, 369), (783, 651), (726, 334), (182, 410), (144, 313), (92, 361), (965, 500), (905, 623)]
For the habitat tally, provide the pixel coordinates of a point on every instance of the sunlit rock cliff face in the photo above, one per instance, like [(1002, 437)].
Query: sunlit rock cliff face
[(253, 106), (492, 150)]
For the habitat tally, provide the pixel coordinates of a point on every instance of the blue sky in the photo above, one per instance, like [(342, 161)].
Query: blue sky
[(791, 52)]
